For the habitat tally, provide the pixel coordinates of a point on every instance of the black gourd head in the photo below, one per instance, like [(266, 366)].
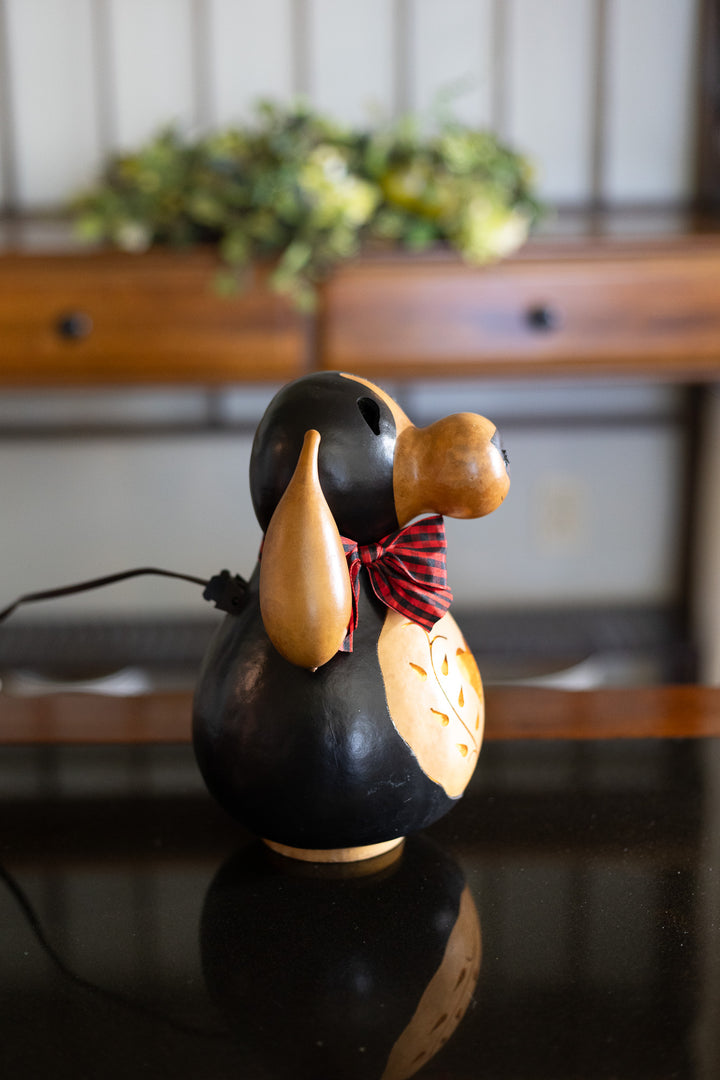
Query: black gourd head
[(377, 470), (355, 459)]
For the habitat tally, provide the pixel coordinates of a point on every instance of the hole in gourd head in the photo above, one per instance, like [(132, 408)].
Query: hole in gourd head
[(370, 411)]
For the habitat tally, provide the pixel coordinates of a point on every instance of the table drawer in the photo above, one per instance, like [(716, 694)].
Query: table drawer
[(654, 314), (113, 318)]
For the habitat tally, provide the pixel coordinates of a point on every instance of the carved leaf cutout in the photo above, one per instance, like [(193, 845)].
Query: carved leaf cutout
[(444, 718), (463, 749), (419, 670), (445, 667), (469, 668)]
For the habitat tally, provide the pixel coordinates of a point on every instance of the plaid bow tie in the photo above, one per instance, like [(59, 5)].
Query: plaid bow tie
[(407, 572)]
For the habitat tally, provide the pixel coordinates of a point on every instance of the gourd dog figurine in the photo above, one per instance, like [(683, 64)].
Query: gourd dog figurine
[(340, 708)]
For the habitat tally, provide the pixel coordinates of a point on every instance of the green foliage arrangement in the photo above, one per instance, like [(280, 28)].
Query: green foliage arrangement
[(307, 193)]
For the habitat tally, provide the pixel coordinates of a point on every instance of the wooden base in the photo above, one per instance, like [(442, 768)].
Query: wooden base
[(336, 855)]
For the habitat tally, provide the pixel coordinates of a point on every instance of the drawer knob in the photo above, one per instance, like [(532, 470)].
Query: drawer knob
[(74, 325), (542, 317)]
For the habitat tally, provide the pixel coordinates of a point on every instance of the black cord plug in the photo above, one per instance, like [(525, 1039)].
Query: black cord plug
[(227, 592)]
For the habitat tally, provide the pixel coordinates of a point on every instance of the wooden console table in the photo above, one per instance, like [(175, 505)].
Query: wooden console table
[(598, 301)]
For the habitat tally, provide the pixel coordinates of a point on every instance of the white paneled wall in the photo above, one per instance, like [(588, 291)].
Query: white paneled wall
[(452, 46), (250, 55), (351, 57), (600, 92), (55, 139), (550, 92), (76, 509), (650, 73), (591, 516), (571, 530), (152, 67)]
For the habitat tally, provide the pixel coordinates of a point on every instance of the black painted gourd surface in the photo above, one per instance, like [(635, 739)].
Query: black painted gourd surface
[(307, 759)]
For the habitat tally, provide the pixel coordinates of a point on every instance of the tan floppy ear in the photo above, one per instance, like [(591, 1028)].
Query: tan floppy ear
[(305, 591)]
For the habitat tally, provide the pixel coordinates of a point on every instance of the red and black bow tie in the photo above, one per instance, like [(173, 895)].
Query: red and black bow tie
[(407, 572)]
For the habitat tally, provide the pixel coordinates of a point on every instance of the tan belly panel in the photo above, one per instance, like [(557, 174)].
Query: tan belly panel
[(435, 697)]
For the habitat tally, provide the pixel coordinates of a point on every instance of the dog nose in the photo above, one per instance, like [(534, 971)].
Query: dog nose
[(497, 442), (454, 467)]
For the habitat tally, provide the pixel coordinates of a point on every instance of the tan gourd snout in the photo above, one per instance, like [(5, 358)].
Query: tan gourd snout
[(452, 467)]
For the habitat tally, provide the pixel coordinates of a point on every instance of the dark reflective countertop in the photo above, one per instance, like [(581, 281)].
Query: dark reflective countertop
[(562, 921)]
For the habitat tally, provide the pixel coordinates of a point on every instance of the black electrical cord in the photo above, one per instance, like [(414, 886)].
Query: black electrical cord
[(147, 1011), (227, 592), (96, 583)]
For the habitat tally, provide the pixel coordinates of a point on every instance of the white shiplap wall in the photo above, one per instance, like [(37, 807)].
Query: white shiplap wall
[(183, 502), (600, 92)]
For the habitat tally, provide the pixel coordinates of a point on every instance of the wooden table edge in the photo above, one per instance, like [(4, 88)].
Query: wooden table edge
[(511, 713)]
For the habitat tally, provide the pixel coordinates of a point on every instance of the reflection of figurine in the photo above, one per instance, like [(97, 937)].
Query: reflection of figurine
[(341, 708), (325, 976)]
